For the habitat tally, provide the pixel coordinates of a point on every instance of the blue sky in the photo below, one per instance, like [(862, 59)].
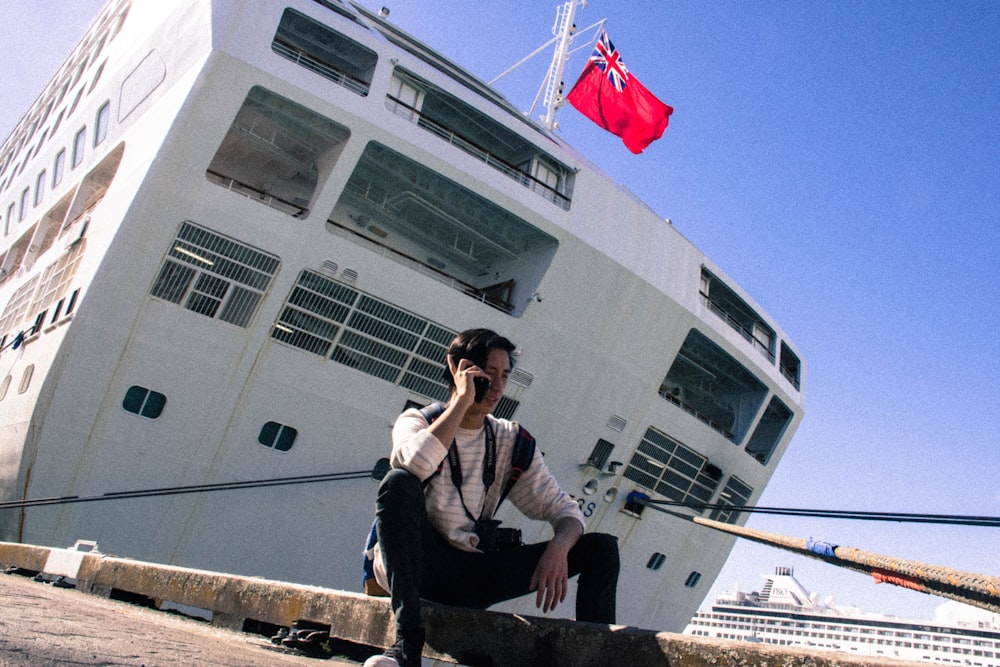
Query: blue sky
[(841, 161)]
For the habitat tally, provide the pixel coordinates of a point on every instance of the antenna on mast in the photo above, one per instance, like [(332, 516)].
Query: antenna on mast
[(564, 30)]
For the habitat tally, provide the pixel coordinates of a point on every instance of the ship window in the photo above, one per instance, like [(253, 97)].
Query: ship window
[(58, 121), (40, 187), (736, 494), (17, 307), (76, 101), (442, 230), (26, 378), (331, 319), (479, 135), (8, 219), (769, 430), (693, 579), (22, 212), (324, 51), (72, 301), (144, 402), (663, 465), (58, 167), (656, 561), (214, 275), (789, 364), (79, 145), (101, 123), (39, 321), (100, 70), (57, 276), (276, 152), (737, 313), (711, 385), (5, 385), (277, 436)]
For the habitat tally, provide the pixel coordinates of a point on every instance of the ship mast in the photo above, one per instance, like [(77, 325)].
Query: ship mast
[(564, 30)]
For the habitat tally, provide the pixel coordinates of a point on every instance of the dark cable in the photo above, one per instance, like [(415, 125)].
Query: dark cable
[(659, 505), (197, 488), (900, 517)]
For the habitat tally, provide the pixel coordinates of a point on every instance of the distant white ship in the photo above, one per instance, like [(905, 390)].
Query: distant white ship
[(237, 237), (784, 613)]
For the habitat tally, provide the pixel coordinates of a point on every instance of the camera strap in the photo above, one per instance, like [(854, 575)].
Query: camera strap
[(489, 468)]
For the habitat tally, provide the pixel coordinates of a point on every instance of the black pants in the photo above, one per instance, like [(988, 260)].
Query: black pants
[(421, 564)]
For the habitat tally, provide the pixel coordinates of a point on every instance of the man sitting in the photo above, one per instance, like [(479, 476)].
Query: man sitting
[(436, 540)]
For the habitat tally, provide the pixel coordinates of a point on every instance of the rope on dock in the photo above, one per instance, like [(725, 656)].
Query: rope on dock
[(979, 590)]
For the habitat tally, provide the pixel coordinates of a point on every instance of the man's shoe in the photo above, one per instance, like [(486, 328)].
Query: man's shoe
[(404, 653)]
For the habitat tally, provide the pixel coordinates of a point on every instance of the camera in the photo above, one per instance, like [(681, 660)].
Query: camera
[(494, 538), (482, 386)]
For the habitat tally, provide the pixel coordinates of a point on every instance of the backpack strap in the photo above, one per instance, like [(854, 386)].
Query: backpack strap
[(430, 413), (520, 460)]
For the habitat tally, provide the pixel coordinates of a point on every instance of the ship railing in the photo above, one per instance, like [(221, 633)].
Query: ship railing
[(257, 195), (738, 326), (414, 115), (790, 375), (486, 296), (323, 69), (700, 416)]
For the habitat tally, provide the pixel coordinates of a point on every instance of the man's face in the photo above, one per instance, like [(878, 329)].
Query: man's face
[(498, 368)]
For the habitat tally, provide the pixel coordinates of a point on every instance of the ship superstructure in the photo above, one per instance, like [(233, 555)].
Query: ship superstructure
[(237, 239), (784, 613)]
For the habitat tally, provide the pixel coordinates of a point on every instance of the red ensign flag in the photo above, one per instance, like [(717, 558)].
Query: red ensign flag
[(609, 95)]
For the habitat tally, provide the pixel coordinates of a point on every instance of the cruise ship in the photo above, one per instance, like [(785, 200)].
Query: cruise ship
[(239, 235), (784, 613)]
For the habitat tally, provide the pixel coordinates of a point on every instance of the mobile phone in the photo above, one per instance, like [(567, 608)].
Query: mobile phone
[(482, 386)]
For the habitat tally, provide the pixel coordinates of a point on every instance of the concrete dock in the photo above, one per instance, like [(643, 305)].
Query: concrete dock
[(45, 626), (41, 624)]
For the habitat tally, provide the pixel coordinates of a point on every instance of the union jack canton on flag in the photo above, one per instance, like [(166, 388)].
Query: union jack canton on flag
[(607, 58)]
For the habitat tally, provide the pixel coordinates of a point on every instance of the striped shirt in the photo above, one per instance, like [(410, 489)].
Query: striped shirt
[(537, 493)]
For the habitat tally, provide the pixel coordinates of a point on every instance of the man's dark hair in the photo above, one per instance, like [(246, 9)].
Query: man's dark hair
[(476, 345)]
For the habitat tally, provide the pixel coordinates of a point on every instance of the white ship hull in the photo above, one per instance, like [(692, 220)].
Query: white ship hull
[(260, 257)]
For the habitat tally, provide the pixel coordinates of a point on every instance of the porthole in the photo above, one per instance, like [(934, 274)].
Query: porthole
[(144, 402), (277, 436)]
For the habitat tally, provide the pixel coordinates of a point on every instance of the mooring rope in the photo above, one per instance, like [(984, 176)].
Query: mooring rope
[(979, 590)]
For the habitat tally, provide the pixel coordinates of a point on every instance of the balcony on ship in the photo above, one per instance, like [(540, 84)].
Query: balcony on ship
[(410, 214)]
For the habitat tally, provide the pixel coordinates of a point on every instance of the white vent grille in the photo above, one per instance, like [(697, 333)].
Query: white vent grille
[(214, 275), (521, 377), (616, 423)]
